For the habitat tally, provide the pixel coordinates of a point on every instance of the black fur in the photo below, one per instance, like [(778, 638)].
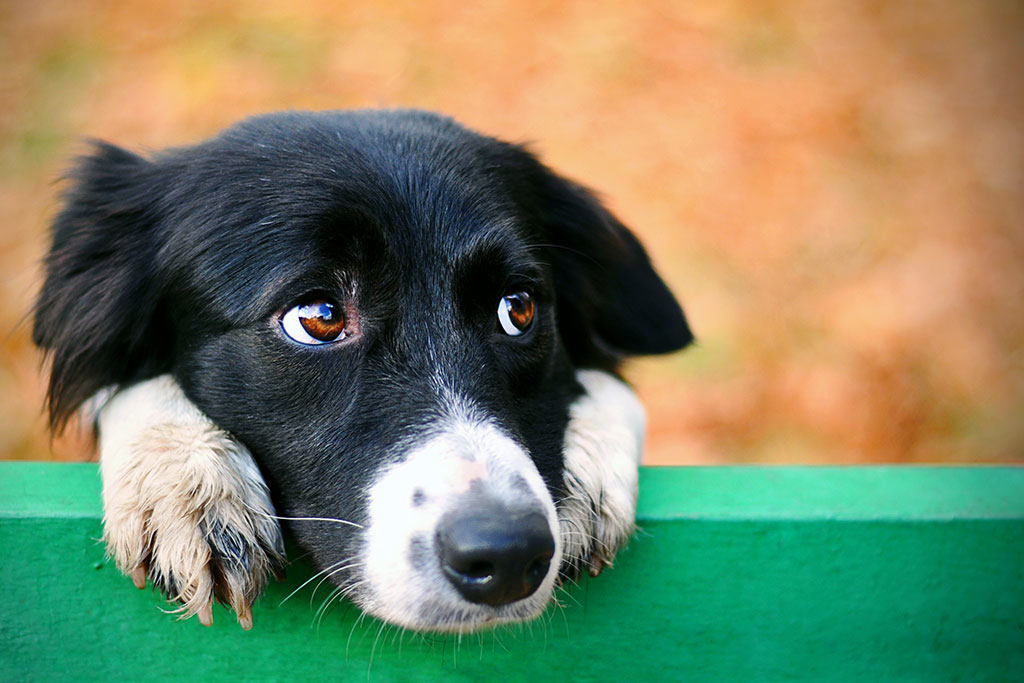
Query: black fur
[(185, 261)]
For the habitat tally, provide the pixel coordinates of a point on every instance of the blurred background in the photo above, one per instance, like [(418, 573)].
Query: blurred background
[(833, 189)]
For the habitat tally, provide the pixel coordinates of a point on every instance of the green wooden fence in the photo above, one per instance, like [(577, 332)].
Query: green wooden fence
[(738, 574)]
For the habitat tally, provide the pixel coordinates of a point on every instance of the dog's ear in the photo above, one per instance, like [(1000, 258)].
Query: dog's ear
[(97, 312), (611, 303)]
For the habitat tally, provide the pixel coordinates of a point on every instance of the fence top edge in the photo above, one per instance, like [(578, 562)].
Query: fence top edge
[(731, 493), (830, 493)]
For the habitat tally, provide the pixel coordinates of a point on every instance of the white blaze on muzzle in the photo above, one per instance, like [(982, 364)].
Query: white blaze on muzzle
[(462, 487)]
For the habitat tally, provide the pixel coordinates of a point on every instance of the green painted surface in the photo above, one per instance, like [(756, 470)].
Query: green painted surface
[(739, 574), (899, 493)]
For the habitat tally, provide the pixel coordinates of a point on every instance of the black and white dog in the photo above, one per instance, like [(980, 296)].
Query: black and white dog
[(397, 334)]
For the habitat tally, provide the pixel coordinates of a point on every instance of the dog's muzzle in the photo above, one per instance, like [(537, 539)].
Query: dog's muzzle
[(462, 533)]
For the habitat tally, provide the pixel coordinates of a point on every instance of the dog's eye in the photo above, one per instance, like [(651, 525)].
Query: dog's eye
[(314, 322), (515, 313)]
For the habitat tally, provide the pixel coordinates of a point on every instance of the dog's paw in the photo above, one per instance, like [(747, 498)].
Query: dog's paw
[(603, 447), (184, 503)]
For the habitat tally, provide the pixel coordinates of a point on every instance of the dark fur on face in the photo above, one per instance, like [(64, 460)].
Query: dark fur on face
[(184, 264)]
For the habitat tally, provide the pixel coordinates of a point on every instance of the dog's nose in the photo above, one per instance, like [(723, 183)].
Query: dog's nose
[(494, 556)]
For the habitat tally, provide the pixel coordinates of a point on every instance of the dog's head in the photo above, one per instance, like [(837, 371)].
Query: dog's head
[(392, 313)]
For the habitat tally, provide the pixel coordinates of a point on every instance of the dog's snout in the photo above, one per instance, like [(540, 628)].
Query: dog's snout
[(495, 556)]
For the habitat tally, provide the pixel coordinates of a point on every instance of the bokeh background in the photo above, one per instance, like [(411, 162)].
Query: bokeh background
[(832, 188)]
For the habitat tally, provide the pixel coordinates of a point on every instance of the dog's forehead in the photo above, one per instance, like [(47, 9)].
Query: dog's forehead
[(368, 158), (320, 194)]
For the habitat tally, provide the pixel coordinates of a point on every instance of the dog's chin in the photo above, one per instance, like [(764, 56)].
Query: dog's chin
[(445, 615), (428, 603)]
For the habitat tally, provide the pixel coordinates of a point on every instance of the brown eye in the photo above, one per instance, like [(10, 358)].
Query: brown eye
[(314, 322), (515, 313)]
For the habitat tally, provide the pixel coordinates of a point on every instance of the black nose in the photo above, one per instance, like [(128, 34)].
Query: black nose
[(494, 556)]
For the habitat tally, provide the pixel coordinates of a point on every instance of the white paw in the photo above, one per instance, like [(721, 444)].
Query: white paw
[(604, 443), (184, 503)]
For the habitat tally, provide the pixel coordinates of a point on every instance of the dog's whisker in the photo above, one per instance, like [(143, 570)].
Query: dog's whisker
[(329, 574), (568, 595), (578, 533), (318, 616), (560, 608), (300, 557), (373, 647), (313, 578), (316, 519), (341, 593), (497, 639), (359, 620)]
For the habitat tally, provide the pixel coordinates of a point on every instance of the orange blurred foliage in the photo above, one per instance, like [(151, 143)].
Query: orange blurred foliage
[(833, 189)]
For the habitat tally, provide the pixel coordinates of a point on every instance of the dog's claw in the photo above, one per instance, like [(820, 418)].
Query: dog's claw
[(205, 614), (139, 575), (597, 563), (245, 618), (199, 568)]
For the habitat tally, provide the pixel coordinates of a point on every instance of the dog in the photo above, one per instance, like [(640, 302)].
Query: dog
[(390, 335)]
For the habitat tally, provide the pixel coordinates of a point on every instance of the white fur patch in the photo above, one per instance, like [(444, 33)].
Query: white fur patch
[(179, 496), (408, 501), (604, 444)]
